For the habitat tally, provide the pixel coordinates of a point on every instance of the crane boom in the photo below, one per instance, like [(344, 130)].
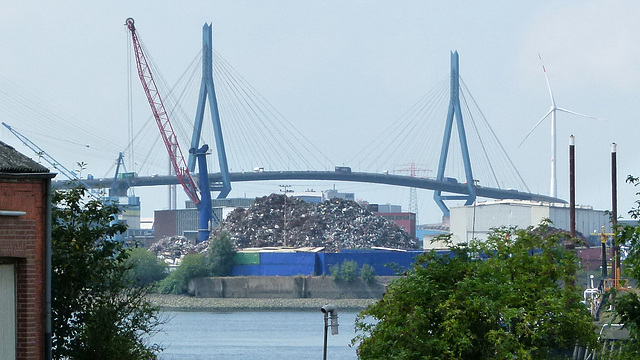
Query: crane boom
[(48, 158), (162, 118)]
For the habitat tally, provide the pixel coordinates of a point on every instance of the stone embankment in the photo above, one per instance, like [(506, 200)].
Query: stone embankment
[(189, 303)]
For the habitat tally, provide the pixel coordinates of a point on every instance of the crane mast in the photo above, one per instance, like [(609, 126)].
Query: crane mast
[(162, 118)]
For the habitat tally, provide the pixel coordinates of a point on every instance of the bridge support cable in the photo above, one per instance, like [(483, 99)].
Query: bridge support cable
[(482, 143), (415, 126), (233, 113), (521, 184), (207, 90), (269, 125), (263, 131), (454, 111)]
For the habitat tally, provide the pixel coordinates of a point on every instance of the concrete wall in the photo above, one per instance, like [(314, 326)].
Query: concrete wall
[(286, 287)]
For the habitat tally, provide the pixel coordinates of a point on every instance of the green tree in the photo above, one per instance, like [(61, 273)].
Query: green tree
[(627, 303), (368, 273), (192, 266), (347, 271), (96, 312), (145, 267), (220, 255), (511, 297)]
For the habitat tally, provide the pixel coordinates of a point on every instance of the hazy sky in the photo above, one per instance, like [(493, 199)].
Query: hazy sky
[(340, 72)]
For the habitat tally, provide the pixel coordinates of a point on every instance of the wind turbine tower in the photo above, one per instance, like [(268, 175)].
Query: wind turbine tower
[(552, 111)]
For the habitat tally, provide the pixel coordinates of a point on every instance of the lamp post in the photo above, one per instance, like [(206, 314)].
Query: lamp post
[(329, 311), (285, 190)]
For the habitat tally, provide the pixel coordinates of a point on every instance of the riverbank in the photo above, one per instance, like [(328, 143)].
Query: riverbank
[(190, 303)]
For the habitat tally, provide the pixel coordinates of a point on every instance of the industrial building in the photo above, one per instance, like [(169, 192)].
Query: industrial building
[(405, 220), (477, 220)]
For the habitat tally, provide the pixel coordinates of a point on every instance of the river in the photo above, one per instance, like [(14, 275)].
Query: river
[(255, 335)]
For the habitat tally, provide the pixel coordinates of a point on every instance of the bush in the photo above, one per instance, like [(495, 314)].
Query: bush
[(220, 256), (368, 273), (192, 266), (145, 267), (349, 271), (334, 270), (346, 272)]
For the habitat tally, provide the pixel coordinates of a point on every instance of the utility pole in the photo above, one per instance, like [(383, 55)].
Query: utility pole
[(614, 219), (285, 190), (572, 191)]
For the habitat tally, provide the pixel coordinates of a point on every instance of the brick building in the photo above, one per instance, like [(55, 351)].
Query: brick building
[(25, 246), (405, 220)]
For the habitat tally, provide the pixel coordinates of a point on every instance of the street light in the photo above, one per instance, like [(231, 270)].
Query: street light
[(285, 190), (329, 311)]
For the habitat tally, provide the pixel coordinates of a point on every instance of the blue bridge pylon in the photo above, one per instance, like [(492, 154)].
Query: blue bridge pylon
[(454, 111), (207, 90)]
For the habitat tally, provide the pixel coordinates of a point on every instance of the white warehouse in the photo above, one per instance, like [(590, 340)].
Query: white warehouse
[(471, 221)]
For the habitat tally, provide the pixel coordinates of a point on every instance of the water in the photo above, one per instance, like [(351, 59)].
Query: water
[(254, 335)]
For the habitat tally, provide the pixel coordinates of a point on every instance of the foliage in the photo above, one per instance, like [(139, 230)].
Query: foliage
[(347, 271), (334, 270), (511, 297), (368, 273), (97, 313), (145, 267), (220, 254), (627, 304), (192, 266)]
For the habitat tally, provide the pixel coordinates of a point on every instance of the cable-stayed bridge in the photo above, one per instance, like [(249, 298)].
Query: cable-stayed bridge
[(445, 130)]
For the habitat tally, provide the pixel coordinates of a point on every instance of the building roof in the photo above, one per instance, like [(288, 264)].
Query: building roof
[(11, 161)]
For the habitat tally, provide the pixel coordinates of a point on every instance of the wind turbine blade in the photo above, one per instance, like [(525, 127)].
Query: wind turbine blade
[(575, 113), (553, 101), (539, 122)]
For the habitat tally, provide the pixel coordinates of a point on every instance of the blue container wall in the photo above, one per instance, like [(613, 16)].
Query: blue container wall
[(271, 258), (272, 270), (379, 260), (293, 264), (279, 264)]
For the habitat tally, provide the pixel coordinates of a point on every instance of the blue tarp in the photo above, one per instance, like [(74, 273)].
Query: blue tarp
[(378, 259), (293, 264), (273, 270), (273, 258)]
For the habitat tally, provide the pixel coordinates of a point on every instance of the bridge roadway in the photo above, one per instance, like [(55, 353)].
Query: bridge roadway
[(449, 186)]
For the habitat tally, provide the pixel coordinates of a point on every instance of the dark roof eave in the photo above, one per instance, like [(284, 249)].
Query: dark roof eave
[(38, 175)]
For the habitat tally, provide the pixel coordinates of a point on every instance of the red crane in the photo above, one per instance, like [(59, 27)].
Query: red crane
[(162, 118)]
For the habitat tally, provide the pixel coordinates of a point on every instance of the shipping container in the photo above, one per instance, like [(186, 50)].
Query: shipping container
[(246, 258)]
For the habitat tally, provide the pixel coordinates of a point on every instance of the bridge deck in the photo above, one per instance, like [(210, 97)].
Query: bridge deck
[(450, 186)]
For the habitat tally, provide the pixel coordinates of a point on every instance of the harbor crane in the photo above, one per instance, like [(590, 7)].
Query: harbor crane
[(170, 140), (71, 175)]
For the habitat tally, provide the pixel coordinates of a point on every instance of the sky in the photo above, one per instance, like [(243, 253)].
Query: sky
[(340, 72)]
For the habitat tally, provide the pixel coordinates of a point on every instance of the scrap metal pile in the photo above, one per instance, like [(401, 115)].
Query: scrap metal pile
[(172, 249), (334, 224)]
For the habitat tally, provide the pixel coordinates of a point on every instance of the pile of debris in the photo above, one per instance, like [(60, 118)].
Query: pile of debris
[(334, 224), (172, 249)]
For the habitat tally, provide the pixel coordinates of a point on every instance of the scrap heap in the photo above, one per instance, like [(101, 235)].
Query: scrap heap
[(172, 249), (334, 224)]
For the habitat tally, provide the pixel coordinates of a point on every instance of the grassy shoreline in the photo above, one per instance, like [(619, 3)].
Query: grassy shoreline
[(189, 303)]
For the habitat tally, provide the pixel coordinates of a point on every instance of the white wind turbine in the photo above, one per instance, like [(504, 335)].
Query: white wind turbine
[(552, 112)]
